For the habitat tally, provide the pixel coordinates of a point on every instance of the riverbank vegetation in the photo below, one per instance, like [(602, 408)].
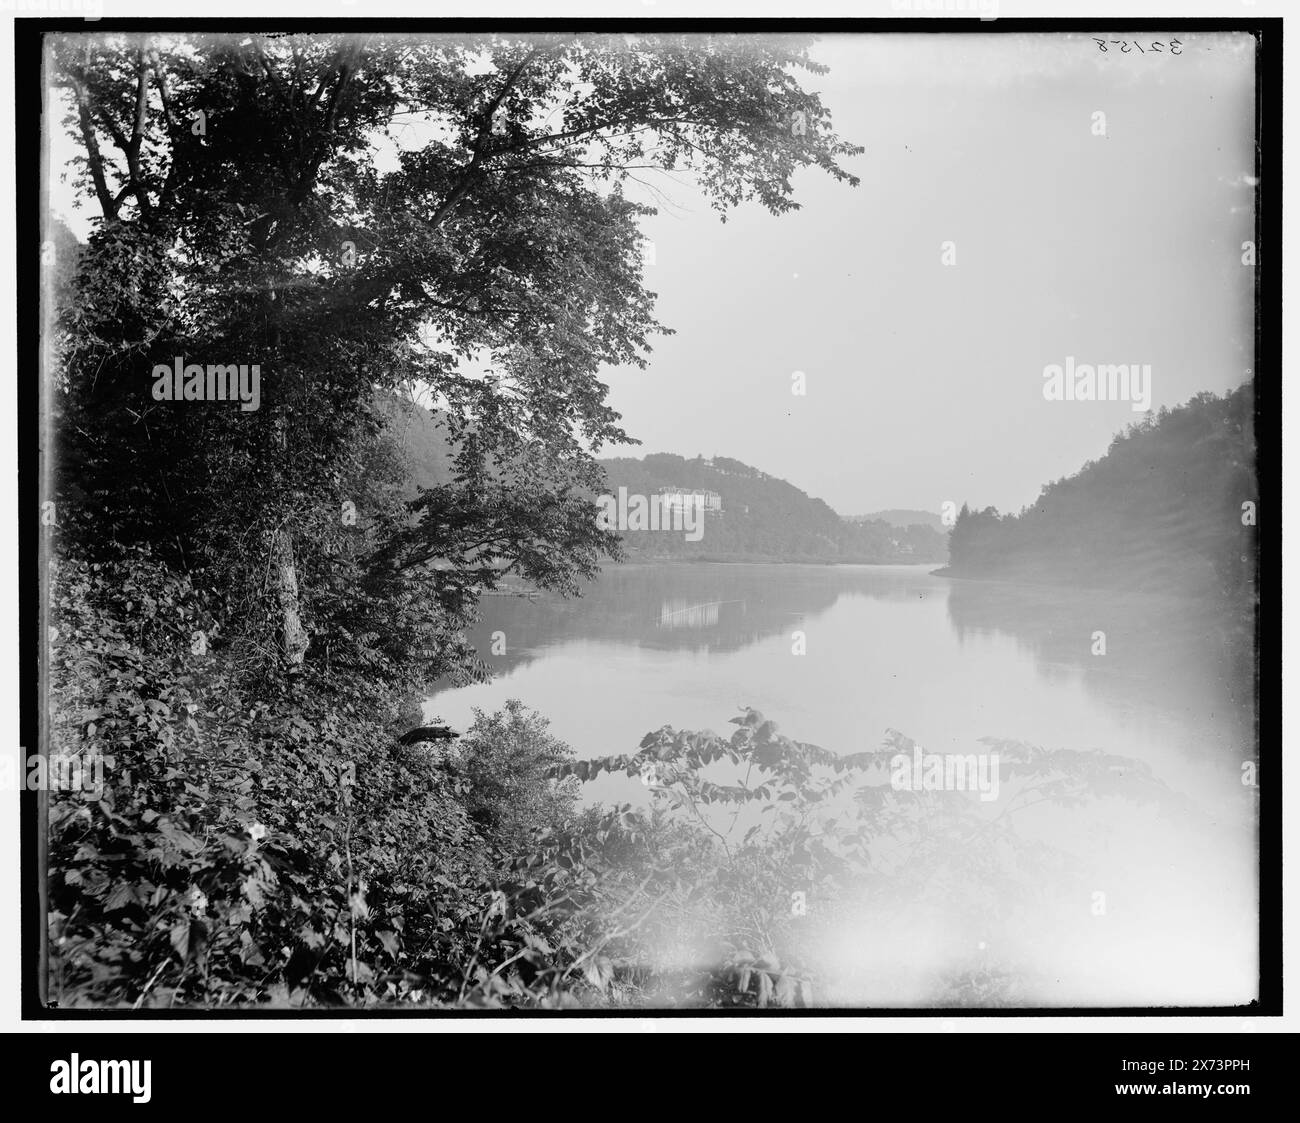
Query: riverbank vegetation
[(244, 604)]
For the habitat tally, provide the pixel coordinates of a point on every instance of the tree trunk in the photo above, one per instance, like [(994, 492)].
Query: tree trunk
[(294, 635)]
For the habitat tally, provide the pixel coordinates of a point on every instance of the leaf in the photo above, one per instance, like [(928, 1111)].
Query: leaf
[(120, 897), (180, 938), (185, 842), (252, 891)]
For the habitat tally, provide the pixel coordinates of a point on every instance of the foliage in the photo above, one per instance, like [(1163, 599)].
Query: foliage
[(238, 851), (249, 214), (671, 906), (505, 759), (247, 601)]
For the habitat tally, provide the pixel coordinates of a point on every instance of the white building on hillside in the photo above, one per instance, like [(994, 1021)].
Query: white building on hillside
[(677, 499)]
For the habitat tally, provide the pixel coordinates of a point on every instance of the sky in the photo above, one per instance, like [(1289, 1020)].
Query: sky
[(924, 380)]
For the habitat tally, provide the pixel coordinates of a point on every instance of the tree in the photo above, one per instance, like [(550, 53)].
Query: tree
[(251, 213)]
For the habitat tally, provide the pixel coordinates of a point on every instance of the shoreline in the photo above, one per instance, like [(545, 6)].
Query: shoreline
[(1074, 584)]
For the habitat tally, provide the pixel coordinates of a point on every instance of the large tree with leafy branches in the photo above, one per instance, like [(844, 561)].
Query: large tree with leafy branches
[(360, 213)]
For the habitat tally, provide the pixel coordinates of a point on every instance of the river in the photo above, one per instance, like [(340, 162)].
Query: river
[(837, 655)]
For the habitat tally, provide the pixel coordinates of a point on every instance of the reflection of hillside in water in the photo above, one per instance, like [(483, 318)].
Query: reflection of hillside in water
[(1163, 655), (695, 608)]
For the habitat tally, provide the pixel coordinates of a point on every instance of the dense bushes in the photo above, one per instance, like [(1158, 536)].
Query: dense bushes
[(244, 844)]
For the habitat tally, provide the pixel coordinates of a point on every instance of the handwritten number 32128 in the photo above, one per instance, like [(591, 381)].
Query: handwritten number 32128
[(1174, 47)]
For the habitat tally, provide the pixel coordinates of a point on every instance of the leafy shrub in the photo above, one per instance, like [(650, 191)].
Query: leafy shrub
[(505, 758)]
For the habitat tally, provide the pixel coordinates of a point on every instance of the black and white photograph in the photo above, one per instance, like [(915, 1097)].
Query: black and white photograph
[(623, 519)]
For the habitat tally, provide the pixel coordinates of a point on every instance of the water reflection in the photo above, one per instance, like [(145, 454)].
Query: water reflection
[(1143, 655), (1178, 670), (669, 608), (838, 655)]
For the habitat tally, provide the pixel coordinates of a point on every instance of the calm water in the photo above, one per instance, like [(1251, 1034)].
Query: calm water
[(945, 662)]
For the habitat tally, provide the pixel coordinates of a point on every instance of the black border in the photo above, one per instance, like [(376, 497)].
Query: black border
[(28, 33)]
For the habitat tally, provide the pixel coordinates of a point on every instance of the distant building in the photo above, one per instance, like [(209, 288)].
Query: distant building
[(677, 499)]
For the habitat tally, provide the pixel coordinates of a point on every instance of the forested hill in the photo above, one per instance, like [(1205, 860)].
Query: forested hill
[(762, 517), (1162, 510)]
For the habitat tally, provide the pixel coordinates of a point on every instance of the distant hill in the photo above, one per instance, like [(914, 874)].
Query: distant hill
[(762, 517), (901, 517), (1162, 510)]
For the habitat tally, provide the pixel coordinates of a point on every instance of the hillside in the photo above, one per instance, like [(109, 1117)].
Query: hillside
[(762, 517), (1162, 510), (901, 518)]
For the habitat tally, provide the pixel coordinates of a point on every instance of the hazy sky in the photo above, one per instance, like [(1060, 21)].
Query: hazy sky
[(925, 381)]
